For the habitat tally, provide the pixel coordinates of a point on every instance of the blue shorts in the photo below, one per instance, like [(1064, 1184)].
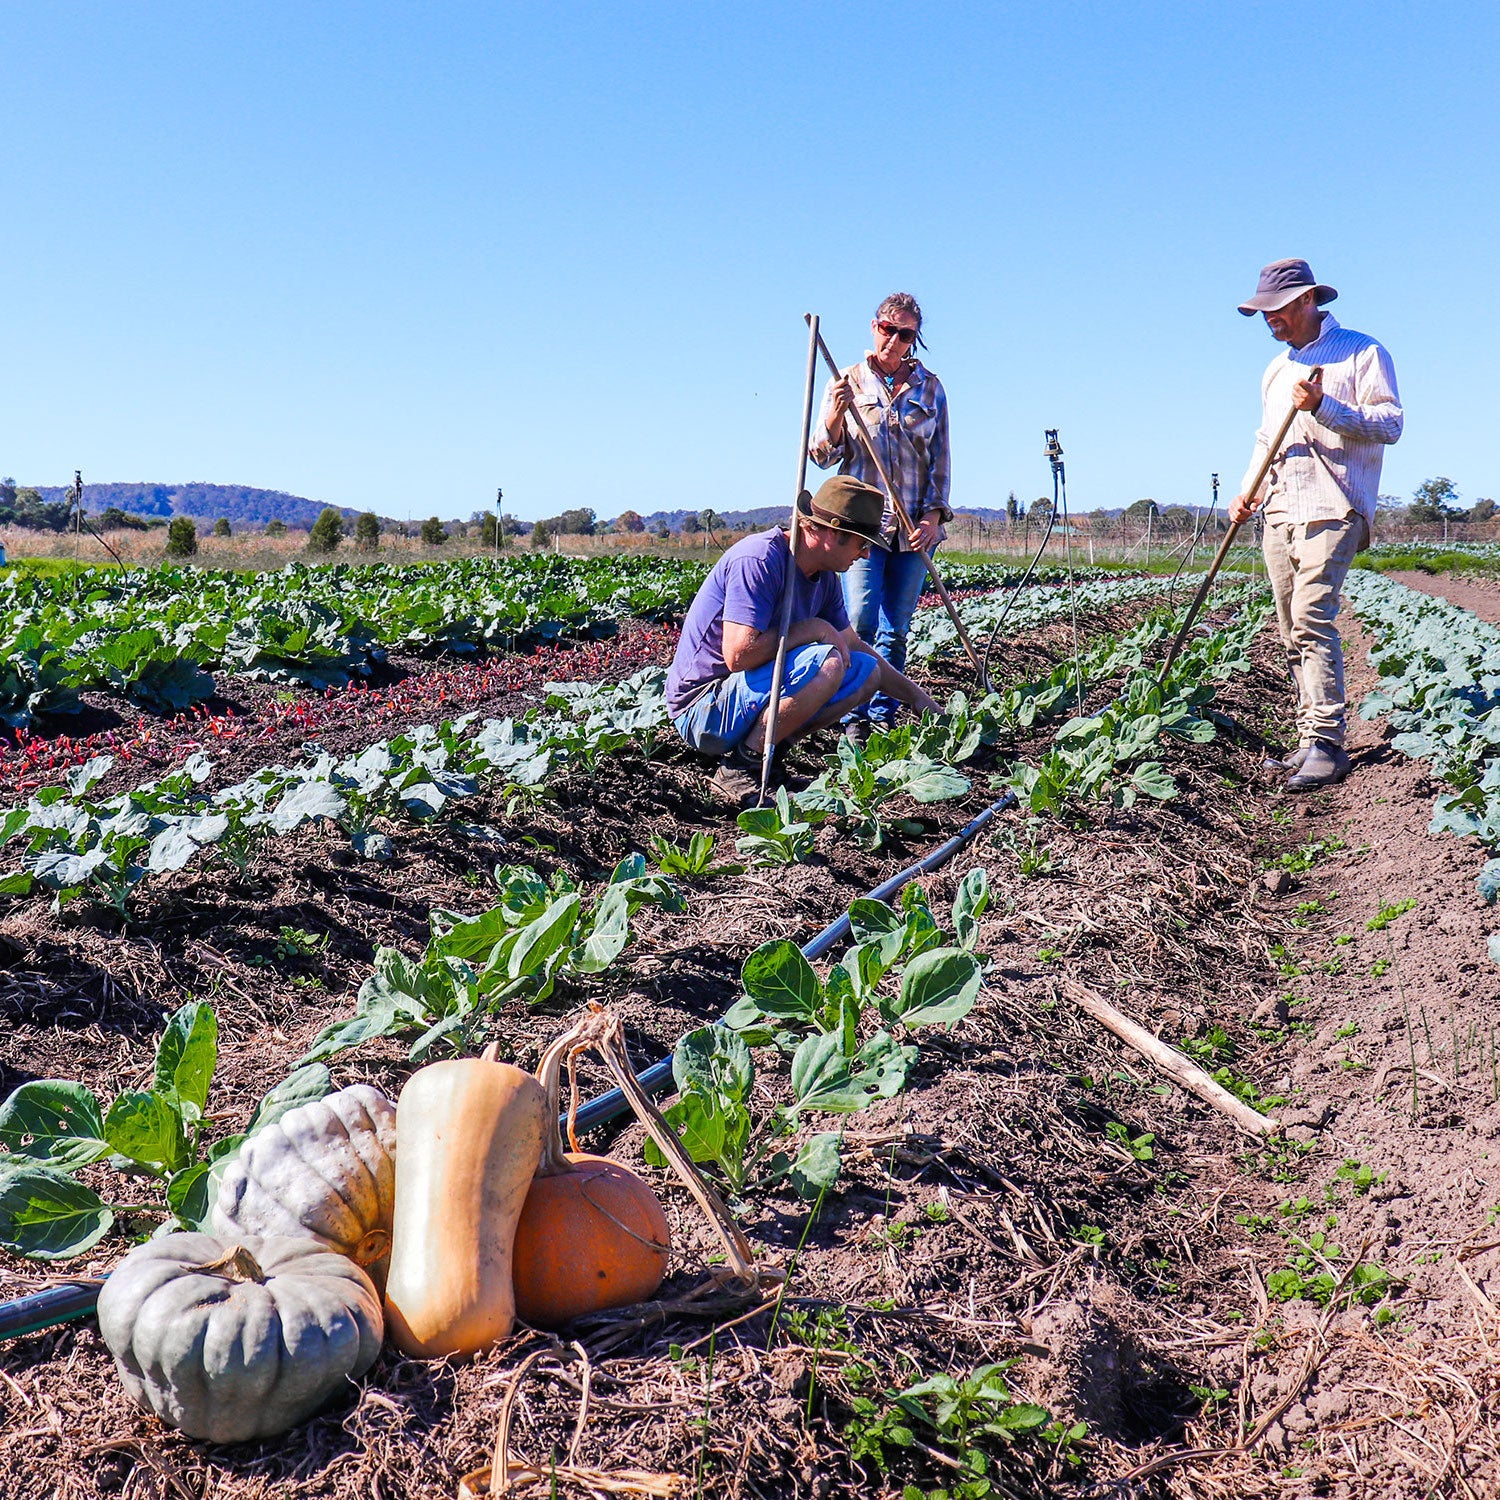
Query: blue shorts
[(723, 714)]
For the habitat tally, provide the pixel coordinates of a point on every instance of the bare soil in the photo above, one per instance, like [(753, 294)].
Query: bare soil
[(1039, 1195), (1468, 591)]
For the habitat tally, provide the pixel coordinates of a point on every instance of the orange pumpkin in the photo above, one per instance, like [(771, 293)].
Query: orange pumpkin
[(592, 1234)]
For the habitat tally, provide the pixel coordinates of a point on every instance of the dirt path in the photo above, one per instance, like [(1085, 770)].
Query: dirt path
[(1482, 595), (1367, 1008)]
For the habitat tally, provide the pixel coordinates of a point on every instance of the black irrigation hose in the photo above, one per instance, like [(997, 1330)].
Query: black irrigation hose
[(1192, 550), (58, 1304), (611, 1105), (45, 1309), (989, 645)]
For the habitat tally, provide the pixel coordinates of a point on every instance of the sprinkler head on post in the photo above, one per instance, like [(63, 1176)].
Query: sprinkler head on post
[(1054, 451)]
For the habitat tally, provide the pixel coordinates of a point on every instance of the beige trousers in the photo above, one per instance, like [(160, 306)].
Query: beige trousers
[(1306, 563)]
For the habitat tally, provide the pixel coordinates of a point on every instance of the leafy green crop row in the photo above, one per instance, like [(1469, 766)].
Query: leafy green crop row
[(1101, 756), (155, 635), (932, 632), (1439, 671), (75, 845), (537, 937), (899, 972)]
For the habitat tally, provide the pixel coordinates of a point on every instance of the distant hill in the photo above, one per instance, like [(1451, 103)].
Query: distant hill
[(734, 520), (243, 505)]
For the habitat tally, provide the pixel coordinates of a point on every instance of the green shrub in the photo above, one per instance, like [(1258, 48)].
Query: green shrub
[(367, 531), (182, 537), (327, 531)]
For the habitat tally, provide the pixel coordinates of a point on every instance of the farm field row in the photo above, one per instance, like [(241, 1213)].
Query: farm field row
[(154, 638), (954, 1177)]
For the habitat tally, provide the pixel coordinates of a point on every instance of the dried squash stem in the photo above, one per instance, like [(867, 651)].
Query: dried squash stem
[(610, 1044)]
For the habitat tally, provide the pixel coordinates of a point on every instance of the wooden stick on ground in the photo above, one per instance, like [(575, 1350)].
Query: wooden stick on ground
[(1171, 1062)]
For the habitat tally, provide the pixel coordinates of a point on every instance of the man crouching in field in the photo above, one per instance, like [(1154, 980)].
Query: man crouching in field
[(720, 682)]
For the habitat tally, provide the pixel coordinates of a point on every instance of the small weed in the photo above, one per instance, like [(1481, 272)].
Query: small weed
[(1350, 1028), (1343, 940), (1210, 1396), (1389, 912), (1140, 1146), (1379, 967), (1358, 1175), (297, 942), (1286, 960), (693, 859), (1089, 1234), (1213, 1046), (1299, 861), (896, 1234)]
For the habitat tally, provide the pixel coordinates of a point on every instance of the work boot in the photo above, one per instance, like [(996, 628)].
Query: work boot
[(1325, 765), (737, 779), (1286, 765)]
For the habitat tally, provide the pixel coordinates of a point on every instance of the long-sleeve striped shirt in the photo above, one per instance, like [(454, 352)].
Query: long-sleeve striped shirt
[(1331, 462), (919, 468)]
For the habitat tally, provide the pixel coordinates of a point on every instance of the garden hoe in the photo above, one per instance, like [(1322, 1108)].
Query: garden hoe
[(904, 519), (773, 708), (1272, 453)]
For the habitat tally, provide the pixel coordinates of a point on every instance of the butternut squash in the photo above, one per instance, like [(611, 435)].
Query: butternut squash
[(592, 1234), (469, 1136)]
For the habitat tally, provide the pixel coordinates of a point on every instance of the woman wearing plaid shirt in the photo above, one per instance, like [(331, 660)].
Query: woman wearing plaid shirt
[(906, 411)]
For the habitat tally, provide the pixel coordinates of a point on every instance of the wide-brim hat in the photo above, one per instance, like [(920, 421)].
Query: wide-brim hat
[(845, 503), (1284, 281)]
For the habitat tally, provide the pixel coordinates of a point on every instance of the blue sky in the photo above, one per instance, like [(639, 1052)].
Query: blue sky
[(395, 256)]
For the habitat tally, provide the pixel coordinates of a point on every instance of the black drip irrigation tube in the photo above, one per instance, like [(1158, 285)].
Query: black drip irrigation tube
[(76, 1299)]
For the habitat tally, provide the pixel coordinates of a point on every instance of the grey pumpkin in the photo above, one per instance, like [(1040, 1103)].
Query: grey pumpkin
[(235, 1340), (326, 1169)]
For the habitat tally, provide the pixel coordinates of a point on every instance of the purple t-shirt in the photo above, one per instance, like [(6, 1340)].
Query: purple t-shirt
[(745, 587)]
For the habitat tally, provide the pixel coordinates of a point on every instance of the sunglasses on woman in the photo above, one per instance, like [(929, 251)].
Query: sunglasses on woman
[(906, 335)]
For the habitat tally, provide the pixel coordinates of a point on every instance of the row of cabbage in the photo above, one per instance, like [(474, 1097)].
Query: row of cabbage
[(1439, 671), (933, 634), (75, 844), (155, 635)]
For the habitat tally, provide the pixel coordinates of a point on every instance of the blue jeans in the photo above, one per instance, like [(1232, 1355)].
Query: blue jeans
[(881, 593), (725, 713)]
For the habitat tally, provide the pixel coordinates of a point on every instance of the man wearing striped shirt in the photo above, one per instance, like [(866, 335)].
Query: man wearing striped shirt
[(1319, 498)]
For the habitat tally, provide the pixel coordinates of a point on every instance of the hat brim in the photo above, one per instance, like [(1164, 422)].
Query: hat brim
[(1275, 301), (836, 523)]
